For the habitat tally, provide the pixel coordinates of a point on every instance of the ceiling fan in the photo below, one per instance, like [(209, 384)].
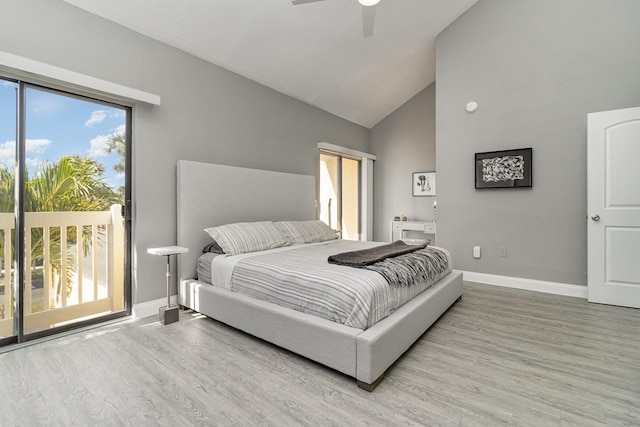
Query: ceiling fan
[(368, 13)]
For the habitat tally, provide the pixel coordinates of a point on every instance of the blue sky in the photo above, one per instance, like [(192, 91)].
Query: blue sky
[(58, 126)]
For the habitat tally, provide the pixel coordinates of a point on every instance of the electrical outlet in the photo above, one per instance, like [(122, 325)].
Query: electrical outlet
[(503, 251), (476, 252)]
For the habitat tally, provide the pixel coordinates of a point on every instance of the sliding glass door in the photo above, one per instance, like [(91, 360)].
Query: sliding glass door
[(8, 138), (340, 194), (64, 262)]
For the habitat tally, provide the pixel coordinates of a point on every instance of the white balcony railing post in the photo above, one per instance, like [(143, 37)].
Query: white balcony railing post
[(7, 223), (79, 257), (116, 258), (62, 276), (47, 281), (27, 273), (94, 260)]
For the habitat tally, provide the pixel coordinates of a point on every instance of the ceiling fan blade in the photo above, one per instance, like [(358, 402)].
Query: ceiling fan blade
[(297, 2), (368, 20)]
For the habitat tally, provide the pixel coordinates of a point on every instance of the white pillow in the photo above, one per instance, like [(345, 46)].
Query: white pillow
[(307, 231), (243, 237)]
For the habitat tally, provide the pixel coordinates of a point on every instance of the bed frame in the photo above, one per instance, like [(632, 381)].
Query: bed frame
[(210, 195)]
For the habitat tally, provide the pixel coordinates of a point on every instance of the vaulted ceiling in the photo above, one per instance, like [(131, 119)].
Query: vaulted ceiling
[(319, 52)]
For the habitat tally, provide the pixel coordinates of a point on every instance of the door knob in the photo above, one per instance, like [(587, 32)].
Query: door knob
[(596, 218)]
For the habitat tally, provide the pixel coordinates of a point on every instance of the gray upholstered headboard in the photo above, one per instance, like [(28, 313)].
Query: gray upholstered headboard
[(210, 195)]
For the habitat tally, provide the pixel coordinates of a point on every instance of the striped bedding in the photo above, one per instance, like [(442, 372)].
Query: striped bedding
[(300, 278)]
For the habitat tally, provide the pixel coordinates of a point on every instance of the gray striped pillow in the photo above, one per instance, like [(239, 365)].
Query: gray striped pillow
[(243, 237), (307, 231)]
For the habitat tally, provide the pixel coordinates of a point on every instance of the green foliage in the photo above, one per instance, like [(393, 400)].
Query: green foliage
[(117, 143), (74, 183), (7, 180)]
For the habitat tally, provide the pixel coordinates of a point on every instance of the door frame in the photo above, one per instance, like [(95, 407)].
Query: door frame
[(366, 183), (19, 213)]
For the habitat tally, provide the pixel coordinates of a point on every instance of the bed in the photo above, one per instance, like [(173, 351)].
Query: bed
[(210, 195)]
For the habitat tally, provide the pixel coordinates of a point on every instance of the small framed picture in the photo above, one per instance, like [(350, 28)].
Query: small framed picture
[(504, 169), (423, 184)]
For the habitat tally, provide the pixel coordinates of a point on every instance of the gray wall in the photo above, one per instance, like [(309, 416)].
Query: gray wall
[(207, 114), (536, 68), (404, 142)]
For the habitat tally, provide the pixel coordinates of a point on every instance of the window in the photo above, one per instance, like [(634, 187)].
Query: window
[(346, 191)]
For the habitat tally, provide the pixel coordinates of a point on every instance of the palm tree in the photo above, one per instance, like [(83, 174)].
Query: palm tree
[(118, 143), (73, 183), (7, 179)]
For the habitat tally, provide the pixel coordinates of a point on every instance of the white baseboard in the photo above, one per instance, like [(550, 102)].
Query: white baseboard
[(150, 308), (527, 284)]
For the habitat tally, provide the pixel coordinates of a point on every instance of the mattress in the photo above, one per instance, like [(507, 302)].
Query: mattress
[(299, 277)]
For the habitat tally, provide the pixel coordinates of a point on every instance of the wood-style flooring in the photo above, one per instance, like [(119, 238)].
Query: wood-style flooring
[(498, 357)]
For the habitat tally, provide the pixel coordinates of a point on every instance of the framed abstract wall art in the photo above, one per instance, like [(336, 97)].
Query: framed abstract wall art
[(504, 169), (423, 184)]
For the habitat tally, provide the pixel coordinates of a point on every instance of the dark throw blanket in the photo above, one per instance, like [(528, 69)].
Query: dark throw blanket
[(371, 256), (400, 264)]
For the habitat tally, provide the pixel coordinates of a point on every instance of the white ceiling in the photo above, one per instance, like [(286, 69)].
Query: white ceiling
[(314, 52)]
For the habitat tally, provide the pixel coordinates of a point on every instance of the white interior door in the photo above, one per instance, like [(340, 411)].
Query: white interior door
[(614, 207)]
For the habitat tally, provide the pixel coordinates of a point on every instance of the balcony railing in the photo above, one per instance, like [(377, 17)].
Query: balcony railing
[(83, 278)]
